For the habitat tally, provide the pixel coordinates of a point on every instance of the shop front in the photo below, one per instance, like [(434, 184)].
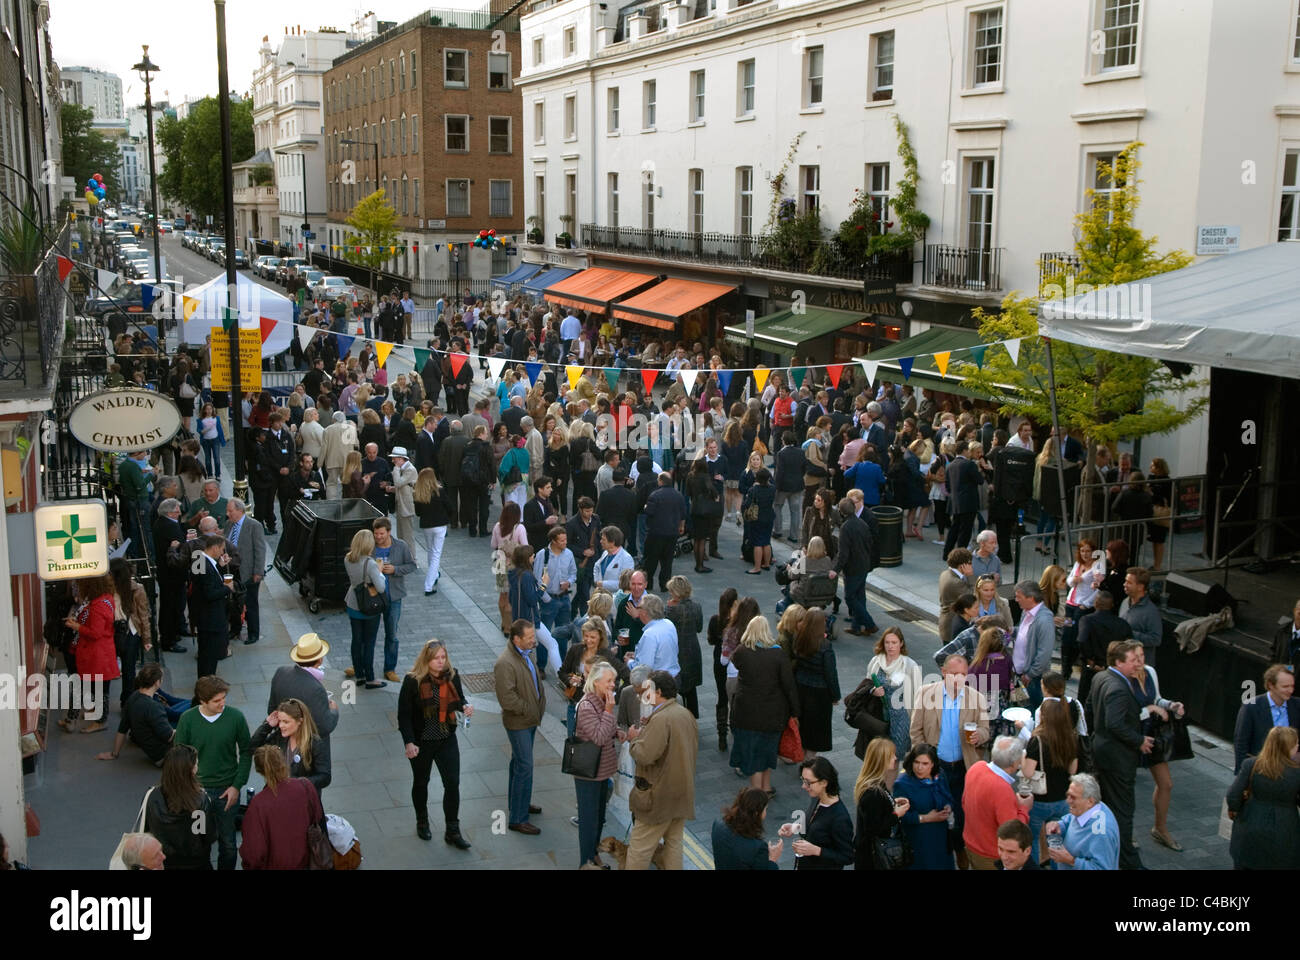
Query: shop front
[(596, 289), (688, 310)]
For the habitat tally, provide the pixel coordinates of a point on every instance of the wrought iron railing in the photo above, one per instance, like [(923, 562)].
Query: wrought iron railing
[(963, 268), (824, 258), (33, 314), (1057, 267)]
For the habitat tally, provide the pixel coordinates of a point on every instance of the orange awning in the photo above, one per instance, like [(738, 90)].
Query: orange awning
[(595, 288), (667, 302)]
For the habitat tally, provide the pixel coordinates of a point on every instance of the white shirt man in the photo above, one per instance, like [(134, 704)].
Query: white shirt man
[(1024, 437)]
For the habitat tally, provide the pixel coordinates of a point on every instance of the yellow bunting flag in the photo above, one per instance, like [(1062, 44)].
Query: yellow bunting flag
[(760, 376), (941, 361), (188, 306), (574, 373), (382, 350)]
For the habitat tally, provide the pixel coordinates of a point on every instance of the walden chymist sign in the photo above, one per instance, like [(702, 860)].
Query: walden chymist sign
[(124, 420)]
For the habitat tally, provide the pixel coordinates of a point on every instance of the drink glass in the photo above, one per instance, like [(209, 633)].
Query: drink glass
[(970, 729), (1055, 840)]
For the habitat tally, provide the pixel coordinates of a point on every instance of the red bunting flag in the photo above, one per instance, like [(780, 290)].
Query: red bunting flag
[(65, 268), (267, 325), (834, 370), (648, 377), (457, 362), (300, 246)]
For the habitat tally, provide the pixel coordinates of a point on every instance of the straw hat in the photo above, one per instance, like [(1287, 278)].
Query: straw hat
[(309, 648)]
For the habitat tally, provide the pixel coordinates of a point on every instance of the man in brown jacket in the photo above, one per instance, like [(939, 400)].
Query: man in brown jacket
[(956, 580), (523, 704), (664, 748)]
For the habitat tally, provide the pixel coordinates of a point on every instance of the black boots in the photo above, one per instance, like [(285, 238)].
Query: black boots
[(454, 838), (422, 830)]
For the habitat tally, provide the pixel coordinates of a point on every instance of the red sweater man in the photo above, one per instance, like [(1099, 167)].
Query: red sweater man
[(989, 800)]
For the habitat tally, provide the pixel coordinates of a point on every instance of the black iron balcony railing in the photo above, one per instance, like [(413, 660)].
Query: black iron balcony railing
[(963, 268), (1057, 268), (33, 314), (823, 258)]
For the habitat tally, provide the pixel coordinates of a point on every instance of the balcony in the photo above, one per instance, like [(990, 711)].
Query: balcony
[(963, 268), (33, 324), (251, 196), (1057, 267), (821, 259)]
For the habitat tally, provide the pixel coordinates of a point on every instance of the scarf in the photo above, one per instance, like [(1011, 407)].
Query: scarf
[(445, 697)]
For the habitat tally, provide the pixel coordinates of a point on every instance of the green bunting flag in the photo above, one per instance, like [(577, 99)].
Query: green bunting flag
[(611, 377), (421, 358), (797, 374)]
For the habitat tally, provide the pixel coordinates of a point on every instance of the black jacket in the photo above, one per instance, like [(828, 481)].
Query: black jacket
[(1254, 721), (536, 511), (373, 433), (789, 468), (665, 511), (964, 479), (1097, 631), (486, 465), (584, 536), (426, 450), (145, 719), (434, 513), (408, 706), (431, 374), (320, 770), (766, 697), (165, 531), (450, 453), (1115, 721), (617, 507), (511, 417), (275, 454), (212, 600), (184, 848), (402, 433), (830, 828), (294, 682), (857, 546)]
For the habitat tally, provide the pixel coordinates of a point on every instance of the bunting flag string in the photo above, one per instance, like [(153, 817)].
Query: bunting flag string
[(306, 334), (1013, 348), (648, 377), (869, 368), (724, 381), (835, 371), (977, 354), (797, 374), (105, 279), (382, 350), (687, 378), (344, 343), (534, 369), (495, 366), (760, 377), (457, 363), (421, 357), (611, 376), (573, 372), (905, 364), (941, 361), (65, 268)]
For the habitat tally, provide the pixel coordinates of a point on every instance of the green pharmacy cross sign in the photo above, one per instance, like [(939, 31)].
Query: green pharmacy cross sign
[(71, 537)]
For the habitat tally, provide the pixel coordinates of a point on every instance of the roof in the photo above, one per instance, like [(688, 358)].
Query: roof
[(667, 302), (596, 288)]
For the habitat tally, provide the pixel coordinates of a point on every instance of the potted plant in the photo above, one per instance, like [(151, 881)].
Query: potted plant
[(535, 229), (564, 239), (21, 245)]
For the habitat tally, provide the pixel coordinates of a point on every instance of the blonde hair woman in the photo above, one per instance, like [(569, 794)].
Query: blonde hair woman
[(364, 572), (354, 485), (290, 727), (765, 701), (788, 627), (427, 705), (878, 811), (431, 508)]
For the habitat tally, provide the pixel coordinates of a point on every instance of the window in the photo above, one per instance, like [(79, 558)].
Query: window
[(1117, 24), (745, 89), (501, 198), (401, 71), (979, 204), (611, 102), (648, 105), (878, 194), (538, 47), (986, 47), (498, 71), (882, 66), (499, 135), (571, 198), (696, 185), (383, 137), (813, 63), (455, 68), (1102, 184), (392, 77), (570, 41), (415, 134), (810, 185), (613, 200), (457, 198), (500, 261), (415, 202), (1295, 50), (414, 83), (648, 212), (745, 201), (539, 197), (457, 134), (571, 117), (1288, 219), (406, 185), (539, 122), (697, 96), (402, 139), (373, 84)]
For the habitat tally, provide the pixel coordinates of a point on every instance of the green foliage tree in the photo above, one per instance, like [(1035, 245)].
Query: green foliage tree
[(374, 229), (193, 175), (1105, 396), (86, 152)]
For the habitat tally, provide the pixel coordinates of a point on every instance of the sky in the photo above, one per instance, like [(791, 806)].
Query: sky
[(182, 36)]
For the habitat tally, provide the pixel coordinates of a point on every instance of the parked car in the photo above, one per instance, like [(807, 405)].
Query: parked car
[(264, 266), (216, 246), (178, 224), (241, 258), (289, 263), (333, 288), (125, 296)]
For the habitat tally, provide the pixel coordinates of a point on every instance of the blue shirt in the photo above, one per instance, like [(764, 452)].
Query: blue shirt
[(532, 667), (949, 746), (1279, 712), (234, 532), (570, 328), (381, 558), (981, 566), (657, 647)]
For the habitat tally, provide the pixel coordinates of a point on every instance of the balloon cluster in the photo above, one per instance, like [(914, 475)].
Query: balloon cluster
[(488, 240), (95, 189)]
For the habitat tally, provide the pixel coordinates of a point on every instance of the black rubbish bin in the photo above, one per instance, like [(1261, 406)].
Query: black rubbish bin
[(315, 540), (890, 547)]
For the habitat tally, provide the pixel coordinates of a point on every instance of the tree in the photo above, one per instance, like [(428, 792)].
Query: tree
[(1105, 396), (193, 175), (85, 150), (374, 229)]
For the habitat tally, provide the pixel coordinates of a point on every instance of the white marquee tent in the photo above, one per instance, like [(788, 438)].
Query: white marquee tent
[(256, 303)]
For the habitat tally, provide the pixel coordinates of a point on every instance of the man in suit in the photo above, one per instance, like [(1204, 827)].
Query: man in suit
[(665, 510), (431, 374), (617, 506), (214, 593), (539, 515), (853, 562), (1286, 642), (1117, 742), (278, 454), (941, 716), (168, 535), (956, 580), (964, 479), (250, 540), (1275, 708), (295, 681), (450, 453), (513, 416), (1097, 631), (520, 343), (1035, 639), (522, 696), (717, 468), (426, 444)]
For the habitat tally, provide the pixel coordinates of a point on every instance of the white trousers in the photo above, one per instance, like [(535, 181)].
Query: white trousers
[(436, 536)]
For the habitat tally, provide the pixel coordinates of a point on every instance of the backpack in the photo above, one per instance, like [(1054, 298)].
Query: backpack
[(469, 466)]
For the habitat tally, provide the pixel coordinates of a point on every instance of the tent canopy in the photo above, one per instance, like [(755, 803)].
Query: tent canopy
[(785, 329), (1235, 310), (595, 288), (519, 274), (545, 279), (259, 308), (667, 302)]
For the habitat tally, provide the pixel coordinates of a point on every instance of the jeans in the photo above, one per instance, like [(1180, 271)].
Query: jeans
[(225, 827), (365, 322), (1035, 688), (212, 456), (557, 615), (791, 499), (175, 706), (446, 754), (855, 596), (571, 719), (391, 617), (519, 779), (435, 536), (593, 795), (364, 632), (1039, 814)]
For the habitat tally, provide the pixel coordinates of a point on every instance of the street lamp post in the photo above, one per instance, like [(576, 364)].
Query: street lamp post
[(374, 145), (146, 68)]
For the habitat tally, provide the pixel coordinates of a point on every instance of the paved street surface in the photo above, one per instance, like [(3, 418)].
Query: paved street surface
[(85, 804)]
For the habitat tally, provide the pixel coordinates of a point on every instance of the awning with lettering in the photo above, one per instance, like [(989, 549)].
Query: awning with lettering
[(596, 288), (667, 302), (924, 372), (546, 278), (785, 330)]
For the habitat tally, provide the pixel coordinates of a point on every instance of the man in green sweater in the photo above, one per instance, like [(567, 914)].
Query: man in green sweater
[(220, 735), (134, 475)]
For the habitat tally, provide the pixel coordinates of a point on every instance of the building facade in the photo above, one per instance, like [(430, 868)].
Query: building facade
[(432, 104), (99, 90)]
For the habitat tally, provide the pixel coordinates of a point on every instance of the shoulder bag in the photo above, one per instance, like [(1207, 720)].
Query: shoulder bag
[(115, 862), (370, 601), (318, 843), (893, 852), (1038, 782), (581, 758)]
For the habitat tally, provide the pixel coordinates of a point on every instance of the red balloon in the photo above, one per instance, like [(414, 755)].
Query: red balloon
[(492, 233), (99, 177), (482, 233)]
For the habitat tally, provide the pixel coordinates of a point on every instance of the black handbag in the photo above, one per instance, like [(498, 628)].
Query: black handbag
[(370, 602), (581, 758), (893, 852), (1172, 741)]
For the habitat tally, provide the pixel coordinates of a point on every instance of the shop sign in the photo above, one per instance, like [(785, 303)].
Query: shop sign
[(123, 420), (71, 540)]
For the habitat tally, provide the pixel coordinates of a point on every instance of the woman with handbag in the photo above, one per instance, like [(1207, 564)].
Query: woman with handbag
[(1146, 687), (95, 646), (827, 828), (1262, 805), (279, 817), (817, 682), (581, 657), (717, 626), (183, 390), (366, 600), (925, 786), (901, 677), (878, 841), (507, 534), (291, 728), (706, 511), (760, 515), (1051, 759), (178, 812), (765, 700), (596, 725), (687, 617), (427, 705)]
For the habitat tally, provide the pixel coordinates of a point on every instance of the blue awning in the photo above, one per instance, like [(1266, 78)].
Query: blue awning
[(519, 274), (547, 278)]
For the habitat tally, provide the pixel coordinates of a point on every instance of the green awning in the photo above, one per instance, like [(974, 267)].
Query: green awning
[(786, 330), (924, 372)]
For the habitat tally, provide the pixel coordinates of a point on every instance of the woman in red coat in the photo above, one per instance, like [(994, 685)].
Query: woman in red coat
[(96, 655), (275, 826)]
